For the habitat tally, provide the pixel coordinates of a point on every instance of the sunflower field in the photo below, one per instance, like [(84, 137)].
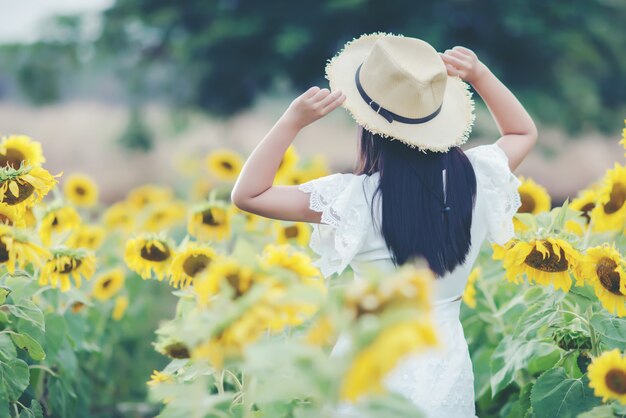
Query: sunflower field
[(174, 303)]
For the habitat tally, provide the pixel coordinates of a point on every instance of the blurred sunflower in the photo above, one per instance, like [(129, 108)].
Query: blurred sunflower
[(12, 217), (148, 254), (163, 216), (18, 250), (201, 189), (252, 222), (469, 295), (225, 164), (584, 202), (609, 213), (87, 236), (108, 284), (603, 268), (223, 271), (190, 261), (65, 264), (545, 261), (315, 169), (292, 233), (77, 306), (371, 365), (295, 261), (322, 332), (158, 377), (58, 221), (289, 162), (24, 186), (607, 376), (29, 218), (81, 190), (119, 216), (623, 140), (142, 196), (18, 150), (210, 222), (535, 199), (119, 308)]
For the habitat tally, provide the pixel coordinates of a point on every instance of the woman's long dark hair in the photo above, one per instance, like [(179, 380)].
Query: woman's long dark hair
[(415, 220)]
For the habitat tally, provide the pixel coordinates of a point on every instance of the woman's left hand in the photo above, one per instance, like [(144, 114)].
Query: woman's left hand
[(313, 104)]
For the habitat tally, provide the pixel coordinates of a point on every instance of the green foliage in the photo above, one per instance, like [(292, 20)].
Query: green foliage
[(554, 395)]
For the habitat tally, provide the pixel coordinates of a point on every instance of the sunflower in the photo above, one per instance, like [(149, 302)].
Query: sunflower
[(224, 164), (603, 268), (58, 221), (223, 272), (288, 162), (12, 217), (190, 261), (19, 150), (148, 254), (544, 261), (370, 366), (77, 306), (292, 233), (23, 187), (87, 236), (65, 264), (584, 202), (297, 262), (158, 377), (535, 199), (469, 295), (607, 376), (108, 284), (609, 213), (201, 189), (623, 140), (210, 222), (163, 216), (17, 249), (252, 222), (81, 190), (119, 308), (120, 216), (142, 196), (322, 332), (315, 169)]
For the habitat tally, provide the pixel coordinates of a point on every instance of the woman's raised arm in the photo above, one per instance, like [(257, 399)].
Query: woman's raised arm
[(517, 129), (254, 191)]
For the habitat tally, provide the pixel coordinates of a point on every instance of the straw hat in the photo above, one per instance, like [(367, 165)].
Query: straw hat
[(398, 87)]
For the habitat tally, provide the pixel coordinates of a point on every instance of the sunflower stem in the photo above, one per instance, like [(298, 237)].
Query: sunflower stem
[(220, 383)]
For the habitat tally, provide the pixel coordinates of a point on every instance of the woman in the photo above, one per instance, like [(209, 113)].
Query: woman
[(415, 193)]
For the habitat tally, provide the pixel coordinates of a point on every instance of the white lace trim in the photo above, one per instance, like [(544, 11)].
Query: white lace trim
[(345, 221), (499, 186)]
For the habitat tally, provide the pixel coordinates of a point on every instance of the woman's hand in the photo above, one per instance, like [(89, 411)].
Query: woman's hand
[(464, 63), (313, 104)]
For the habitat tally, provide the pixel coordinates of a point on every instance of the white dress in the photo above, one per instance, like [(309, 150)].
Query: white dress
[(441, 383)]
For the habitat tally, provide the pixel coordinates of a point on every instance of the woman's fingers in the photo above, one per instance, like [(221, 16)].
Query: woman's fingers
[(452, 70), (456, 62), (334, 104), (463, 49), (460, 55), (328, 99), (320, 95), (310, 92)]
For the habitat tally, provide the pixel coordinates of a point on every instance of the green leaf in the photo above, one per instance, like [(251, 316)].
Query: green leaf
[(511, 355), (14, 377), (609, 326), (55, 333), (7, 348), (4, 293), (557, 396), (28, 344), (28, 311), (604, 411), (21, 285)]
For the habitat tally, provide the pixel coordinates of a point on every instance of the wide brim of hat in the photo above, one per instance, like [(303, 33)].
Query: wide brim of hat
[(451, 127)]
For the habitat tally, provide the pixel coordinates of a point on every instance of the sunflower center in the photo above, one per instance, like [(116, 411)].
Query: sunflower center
[(5, 220), (13, 158), (528, 203), (291, 232), (209, 219), (228, 166), (67, 266), (107, 283), (550, 264), (153, 253), (195, 264), (177, 350), (617, 199), (234, 281), (4, 252), (25, 191), (609, 278), (81, 191), (616, 381), (586, 209)]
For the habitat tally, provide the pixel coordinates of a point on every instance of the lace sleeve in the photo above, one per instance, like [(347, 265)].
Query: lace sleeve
[(499, 185), (345, 220)]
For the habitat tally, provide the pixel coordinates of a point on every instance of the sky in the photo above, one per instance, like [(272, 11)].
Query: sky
[(20, 18)]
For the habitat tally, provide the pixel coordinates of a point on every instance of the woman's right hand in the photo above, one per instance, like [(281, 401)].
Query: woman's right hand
[(463, 62), (313, 104)]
